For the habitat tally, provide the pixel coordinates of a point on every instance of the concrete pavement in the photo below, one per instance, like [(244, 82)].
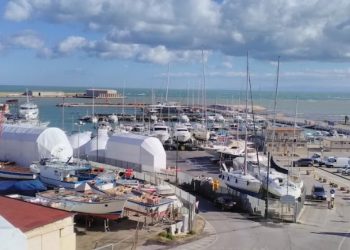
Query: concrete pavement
[(319, 227)]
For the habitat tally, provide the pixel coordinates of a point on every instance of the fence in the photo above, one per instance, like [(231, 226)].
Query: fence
[(159, 179), (253, 205)]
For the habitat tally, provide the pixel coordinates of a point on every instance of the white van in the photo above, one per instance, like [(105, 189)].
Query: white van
[(337, 162)]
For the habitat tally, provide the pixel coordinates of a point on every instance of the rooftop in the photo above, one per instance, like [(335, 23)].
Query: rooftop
[(27, 216)]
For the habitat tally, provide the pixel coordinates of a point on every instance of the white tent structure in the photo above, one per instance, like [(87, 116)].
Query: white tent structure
[(95, 149), (25, 144), (79, 142), (139, 152)]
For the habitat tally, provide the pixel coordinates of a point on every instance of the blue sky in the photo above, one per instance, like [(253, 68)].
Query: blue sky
[(108, 42)]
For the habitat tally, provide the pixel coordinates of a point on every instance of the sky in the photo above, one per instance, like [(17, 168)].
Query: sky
[(109, 43)]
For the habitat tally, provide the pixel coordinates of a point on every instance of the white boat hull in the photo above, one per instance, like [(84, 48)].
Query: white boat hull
[(112, 206), (142, 208), (246, 184), (58, 183), (201, 135), (17, 176)]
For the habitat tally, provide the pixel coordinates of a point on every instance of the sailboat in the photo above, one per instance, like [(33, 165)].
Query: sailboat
[(276, 183), (200, 131), (241, 180), (279, 185)]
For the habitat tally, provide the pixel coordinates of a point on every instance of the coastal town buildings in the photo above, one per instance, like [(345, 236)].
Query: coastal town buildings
[(102, 93), (283, 141), (336, 144)]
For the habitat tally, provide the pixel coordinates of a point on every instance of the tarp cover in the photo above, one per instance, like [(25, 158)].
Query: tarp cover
[(97, 146), (146, 151), (25, 144), (79, 142)]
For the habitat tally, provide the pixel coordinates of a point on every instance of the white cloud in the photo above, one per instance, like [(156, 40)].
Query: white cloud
[(296, 30), (18, 10), (71, 44), (26, 39)]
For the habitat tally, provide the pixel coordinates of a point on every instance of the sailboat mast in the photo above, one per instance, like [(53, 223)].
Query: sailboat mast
[(204, 93), (167, 84), (123, 107), (275, 103), (246, 118), (27, 95), (93, 103)]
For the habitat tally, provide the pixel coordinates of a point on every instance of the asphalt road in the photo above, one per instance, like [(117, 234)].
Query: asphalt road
[(318, 227)]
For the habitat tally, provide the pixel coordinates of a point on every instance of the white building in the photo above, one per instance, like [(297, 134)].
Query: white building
[(25, 144), (139, 152), (34, 227)]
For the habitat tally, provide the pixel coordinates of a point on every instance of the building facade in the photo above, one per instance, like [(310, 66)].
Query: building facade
[(283, 141), (336, 144), (102, 93)]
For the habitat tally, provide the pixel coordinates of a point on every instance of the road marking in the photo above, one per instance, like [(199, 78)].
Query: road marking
[(343, 239)]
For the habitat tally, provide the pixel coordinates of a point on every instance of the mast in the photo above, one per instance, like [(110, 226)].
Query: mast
[(269, 155), (204, 93), (27, 95), (246, 118), (93, 103), (167, 85), (123, 108)]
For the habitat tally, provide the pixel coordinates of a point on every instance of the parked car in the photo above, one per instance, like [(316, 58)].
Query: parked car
[(225, 202), (318, 192), (317, 158), (346, 170), (303, 162), (337, 162)]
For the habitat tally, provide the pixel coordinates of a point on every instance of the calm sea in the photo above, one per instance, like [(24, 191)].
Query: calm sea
[(320, 106)]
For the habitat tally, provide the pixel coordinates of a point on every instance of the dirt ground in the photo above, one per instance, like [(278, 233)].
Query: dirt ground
[(123, 235)]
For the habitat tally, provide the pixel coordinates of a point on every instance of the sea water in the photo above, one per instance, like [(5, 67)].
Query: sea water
[(318, 106)]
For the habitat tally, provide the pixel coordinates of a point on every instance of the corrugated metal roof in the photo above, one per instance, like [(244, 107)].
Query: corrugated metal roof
[(26, 216)]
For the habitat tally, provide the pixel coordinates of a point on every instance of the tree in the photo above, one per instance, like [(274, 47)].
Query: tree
[(346, 118)]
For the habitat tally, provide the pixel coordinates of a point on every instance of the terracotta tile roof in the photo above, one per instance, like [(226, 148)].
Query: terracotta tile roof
[(27, 216)]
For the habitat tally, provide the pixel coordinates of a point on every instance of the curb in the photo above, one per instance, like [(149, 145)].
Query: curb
[(203, 242)]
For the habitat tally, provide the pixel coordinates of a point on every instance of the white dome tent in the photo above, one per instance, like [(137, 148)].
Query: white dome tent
[(25, 144), (79, 142), (139, 152), (97, 146)]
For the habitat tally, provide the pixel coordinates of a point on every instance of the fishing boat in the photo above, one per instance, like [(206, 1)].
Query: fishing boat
[(87, 202), (9, 170), (64, 174)]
